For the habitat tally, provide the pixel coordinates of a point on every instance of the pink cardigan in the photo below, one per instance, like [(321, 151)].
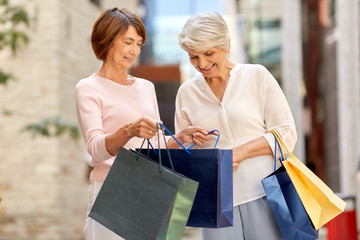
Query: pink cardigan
[(103, 106)]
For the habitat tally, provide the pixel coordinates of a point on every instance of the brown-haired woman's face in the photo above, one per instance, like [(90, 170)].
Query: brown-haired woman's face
[(125, 49)]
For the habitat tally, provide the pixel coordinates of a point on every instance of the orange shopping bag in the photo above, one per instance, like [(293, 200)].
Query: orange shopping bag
[(319, 200)]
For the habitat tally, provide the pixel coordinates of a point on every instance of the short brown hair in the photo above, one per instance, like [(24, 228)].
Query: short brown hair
[(109, 25)]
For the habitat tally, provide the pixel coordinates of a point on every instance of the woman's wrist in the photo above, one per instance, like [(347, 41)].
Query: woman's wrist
[(239, 154), (172, 143), (125, 131), (114, 141)]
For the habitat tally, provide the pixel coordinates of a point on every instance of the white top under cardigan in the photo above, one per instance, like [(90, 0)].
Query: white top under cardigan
[(252, 105)]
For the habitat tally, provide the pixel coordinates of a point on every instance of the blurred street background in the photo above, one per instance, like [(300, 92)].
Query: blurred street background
[(312, 47)]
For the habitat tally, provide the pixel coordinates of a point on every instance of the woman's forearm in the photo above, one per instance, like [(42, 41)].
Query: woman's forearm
[(114, 141), (256, 147)]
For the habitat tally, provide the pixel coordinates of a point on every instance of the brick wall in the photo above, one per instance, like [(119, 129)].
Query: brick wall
[(43, 180)]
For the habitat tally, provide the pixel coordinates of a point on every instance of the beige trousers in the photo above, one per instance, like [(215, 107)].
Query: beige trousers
[(94, 230)]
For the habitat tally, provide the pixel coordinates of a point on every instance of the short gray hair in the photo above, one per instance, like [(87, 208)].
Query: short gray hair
[(204, 31)]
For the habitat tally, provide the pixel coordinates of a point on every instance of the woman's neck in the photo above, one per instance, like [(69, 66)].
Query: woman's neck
[(218, 84), (223, 76), (115, 74)]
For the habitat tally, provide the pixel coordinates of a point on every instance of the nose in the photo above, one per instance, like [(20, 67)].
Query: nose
[(135, 50), (202, 62)]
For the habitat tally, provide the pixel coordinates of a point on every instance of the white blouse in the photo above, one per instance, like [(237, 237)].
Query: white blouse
[(253, 104)]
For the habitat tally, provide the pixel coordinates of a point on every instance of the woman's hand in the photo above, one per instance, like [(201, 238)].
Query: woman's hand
[(191, 134), (200, 137), (238, 156), (145, 127)]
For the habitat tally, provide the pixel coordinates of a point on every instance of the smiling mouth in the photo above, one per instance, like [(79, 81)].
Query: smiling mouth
[(207, 69), (129, 59)]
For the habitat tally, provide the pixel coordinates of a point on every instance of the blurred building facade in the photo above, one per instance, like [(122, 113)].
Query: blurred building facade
[(331, 77), (320, 75), (43, 180)]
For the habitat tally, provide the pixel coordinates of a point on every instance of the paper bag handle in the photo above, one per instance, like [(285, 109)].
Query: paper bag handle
[(167, 130), (281, 143), (281, 152), (148, 149), (217, 139), (167, 149), (186, 149)]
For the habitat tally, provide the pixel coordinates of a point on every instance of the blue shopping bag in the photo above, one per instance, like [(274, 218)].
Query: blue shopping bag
[(289, 212), (212, 168)]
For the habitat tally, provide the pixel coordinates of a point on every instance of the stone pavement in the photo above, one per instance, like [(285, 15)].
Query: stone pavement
[(192, 234), (195, 234)]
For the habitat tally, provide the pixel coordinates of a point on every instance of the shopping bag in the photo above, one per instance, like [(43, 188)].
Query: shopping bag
[(212, 168), (287, 208), (319, 200), (142, 200)]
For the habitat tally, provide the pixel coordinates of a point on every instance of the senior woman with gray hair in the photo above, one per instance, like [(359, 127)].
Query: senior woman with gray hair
[(244, 103)]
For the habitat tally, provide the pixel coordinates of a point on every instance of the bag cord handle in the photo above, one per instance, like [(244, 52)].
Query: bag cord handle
[(148, 149), (281, 152), (167, 149), (281, 143), (186, 149), (163, 128), (167, 130), (217, 139)]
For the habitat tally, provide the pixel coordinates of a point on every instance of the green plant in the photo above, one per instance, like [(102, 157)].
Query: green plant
[(12, 19), (52, 127)]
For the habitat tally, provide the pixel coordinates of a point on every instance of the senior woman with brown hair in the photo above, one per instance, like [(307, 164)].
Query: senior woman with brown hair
[(244, 103), (115, 109)]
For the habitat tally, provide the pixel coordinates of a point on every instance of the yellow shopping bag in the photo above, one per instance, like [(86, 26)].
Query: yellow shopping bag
[(319, 200)]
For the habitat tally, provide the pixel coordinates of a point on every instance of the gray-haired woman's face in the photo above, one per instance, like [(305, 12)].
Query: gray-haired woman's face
[(210, 63)]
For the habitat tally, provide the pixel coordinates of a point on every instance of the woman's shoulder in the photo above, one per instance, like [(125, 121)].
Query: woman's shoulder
[(250, 67), (253, 72), (87, 82), (192, 82), (142, 85), (144, 82)]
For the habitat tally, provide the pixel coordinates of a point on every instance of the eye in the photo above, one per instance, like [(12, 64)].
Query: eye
[(192, 57), (209, 53), (127, 42)]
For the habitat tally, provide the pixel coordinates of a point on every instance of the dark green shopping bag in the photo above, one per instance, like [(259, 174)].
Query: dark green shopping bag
[(141, 199)]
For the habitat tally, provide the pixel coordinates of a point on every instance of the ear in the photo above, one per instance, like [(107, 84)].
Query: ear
[(228, 50)]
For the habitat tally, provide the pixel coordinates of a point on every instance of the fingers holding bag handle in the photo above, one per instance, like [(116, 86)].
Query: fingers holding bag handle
[(173, 137), (144, 127), (199, 138), (193, 130), (190, 134)]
